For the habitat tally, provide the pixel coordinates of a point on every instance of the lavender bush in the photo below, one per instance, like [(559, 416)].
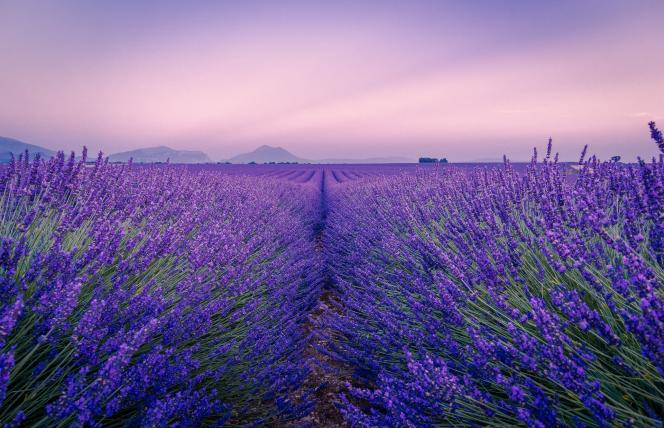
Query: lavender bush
[(492, 297), (166, 295), (151, 295)]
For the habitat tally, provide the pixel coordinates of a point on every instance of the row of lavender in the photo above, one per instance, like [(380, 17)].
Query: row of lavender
[(497, 297), (152, 295)]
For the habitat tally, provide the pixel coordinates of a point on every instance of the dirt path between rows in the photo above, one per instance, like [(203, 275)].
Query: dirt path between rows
[(328, 377)]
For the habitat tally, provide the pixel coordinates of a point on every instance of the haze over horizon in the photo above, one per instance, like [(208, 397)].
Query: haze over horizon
[(344, 80)]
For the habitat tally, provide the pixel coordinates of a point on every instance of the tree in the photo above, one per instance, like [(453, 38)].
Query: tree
[(432, 160)]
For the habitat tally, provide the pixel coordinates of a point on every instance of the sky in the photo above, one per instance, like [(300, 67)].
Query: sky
[(468, 80)]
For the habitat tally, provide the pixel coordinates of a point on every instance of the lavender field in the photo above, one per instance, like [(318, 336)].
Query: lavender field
[(332, 295)]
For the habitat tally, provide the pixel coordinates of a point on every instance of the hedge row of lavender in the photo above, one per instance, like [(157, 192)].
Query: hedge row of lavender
[(151, 295), (497, 298)]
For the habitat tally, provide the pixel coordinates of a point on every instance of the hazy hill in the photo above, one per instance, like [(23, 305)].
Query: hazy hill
[(267, 154), (263, 154), (160, 154), (10, 145)]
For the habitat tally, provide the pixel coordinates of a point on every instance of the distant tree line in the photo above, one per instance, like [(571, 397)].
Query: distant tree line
[(432, 160)]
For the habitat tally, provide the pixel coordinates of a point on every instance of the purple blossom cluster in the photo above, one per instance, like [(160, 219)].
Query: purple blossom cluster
[(152, 295), (491, 296)]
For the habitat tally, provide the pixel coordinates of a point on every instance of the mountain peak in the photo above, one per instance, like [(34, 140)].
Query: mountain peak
[(12, 145), (160, 154), (266, 147), (267, 153)]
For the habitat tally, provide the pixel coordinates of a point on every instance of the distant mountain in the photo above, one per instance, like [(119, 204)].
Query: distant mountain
[(10, 145), (267, 154), (160, 154)]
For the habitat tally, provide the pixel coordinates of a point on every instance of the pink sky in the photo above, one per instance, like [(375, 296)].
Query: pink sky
[(350, 80)]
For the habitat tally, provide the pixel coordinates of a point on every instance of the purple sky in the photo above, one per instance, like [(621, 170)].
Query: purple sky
[(467, 80)]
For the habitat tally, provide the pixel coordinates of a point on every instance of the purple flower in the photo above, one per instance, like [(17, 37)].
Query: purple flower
[(656, 135)]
